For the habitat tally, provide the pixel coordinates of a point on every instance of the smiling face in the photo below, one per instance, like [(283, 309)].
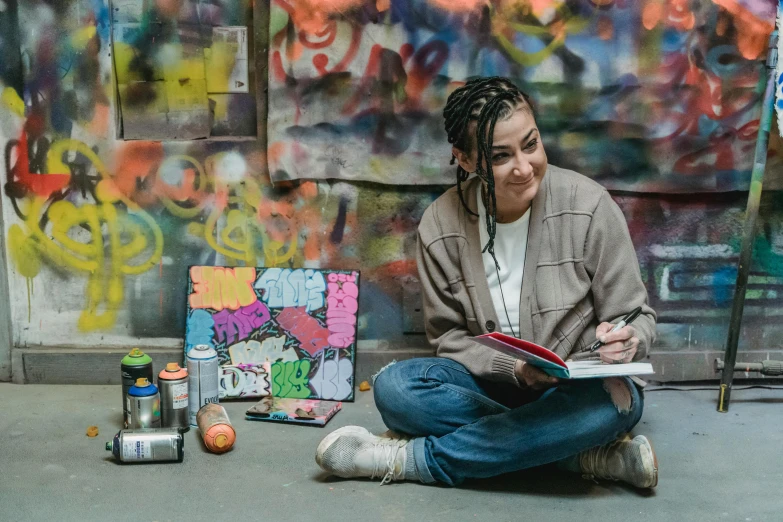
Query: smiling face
[(518, 163)]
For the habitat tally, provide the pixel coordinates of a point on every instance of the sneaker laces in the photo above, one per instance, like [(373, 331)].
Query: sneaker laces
[(596, 461), (384, 466)]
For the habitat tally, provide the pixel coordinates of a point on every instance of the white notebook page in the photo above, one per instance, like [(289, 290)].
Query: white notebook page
[(586, 369)]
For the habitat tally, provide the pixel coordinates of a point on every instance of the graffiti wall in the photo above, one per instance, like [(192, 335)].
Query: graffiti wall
[(301, 323), (100, 230), (650, 95)]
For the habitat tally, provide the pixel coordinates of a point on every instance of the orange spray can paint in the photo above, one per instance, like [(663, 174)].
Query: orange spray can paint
[(215, 428)]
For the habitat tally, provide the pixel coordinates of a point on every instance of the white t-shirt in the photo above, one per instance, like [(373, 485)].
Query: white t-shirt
[(510, 247)]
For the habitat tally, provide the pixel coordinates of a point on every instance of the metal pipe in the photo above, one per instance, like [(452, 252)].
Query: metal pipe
[(749, 230), (771, 368)]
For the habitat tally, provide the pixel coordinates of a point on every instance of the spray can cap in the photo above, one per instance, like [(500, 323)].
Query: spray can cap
[(172, 372), (136, 358), (141, 382), (108, 446)]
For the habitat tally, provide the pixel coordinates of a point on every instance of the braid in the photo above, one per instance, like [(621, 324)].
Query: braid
[(483, 100)]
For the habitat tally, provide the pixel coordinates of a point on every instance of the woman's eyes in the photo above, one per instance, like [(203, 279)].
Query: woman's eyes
[(503, 155)]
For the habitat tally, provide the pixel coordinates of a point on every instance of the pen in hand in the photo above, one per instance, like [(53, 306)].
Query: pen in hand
[(628, 319)]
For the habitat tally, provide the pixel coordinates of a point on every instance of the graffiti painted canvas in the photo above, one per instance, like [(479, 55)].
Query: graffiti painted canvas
[(291, 332)]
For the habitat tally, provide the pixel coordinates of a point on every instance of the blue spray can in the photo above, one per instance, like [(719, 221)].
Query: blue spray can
[(143, 405)]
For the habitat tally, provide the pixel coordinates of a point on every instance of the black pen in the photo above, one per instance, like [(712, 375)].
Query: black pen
[(628, 319)]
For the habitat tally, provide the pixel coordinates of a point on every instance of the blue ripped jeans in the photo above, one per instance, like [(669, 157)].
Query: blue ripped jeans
[(464, 427)]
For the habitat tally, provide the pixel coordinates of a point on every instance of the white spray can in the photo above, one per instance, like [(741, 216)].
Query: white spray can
[(203, 379)]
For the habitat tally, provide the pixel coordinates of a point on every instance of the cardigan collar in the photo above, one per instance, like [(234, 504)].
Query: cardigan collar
[(476, 263)]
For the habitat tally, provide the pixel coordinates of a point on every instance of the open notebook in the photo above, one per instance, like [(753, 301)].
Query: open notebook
[(553, 365)]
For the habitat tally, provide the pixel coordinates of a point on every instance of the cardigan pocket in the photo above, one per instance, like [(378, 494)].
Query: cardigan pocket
[(462, 297)]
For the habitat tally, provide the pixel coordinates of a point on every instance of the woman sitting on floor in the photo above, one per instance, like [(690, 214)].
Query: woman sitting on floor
[(557, 245)]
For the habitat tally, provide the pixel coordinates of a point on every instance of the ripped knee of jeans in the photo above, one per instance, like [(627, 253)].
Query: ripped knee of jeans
[(618, 390), (376, 374)]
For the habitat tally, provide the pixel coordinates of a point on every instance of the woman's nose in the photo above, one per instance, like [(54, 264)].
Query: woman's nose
[(522, 167)]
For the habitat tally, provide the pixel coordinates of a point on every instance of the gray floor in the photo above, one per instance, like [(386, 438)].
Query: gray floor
[(713, 467)]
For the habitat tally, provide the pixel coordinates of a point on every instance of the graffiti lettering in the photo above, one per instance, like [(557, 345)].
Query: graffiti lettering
[(270, 350), (244, 380), (289, 379), (310, 333), (105, 241), (230, 326), (219, 288), (199, 329), (286, 288), (333, 378), (341, 309)]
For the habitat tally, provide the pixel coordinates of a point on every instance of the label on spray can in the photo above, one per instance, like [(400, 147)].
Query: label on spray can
[(179, 393), (147, 445), (203, 380), (137, 450)]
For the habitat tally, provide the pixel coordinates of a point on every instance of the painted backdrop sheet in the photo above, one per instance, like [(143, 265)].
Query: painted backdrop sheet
[(648, 95), (300, 323)]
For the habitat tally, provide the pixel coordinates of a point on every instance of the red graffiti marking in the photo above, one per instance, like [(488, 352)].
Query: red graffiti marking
[(43, 185), (311, 334), (321, 60), (218, 288), (327, 35), (341, 307), (233, 326), (721, 151), (427, 63)]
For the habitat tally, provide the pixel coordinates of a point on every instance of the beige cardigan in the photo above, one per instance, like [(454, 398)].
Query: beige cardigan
[(580, 270)]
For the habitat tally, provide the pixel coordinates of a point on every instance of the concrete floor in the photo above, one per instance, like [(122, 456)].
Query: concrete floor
[(713, 467)]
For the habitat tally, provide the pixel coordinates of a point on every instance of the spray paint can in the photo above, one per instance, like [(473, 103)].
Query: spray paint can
[(143, 405), (148, 445), (203, 378), (173, 386), (216, 430), (134, 365)]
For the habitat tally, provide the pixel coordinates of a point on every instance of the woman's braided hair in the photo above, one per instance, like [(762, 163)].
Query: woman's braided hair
[(484, 100)]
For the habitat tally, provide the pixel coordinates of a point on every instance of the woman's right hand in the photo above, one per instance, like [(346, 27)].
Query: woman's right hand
[(533, 377)]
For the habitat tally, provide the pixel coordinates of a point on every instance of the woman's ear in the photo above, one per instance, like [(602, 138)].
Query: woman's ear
[(464, 159)]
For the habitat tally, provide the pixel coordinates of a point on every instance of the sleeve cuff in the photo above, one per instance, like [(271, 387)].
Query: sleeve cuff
[(503, 369)]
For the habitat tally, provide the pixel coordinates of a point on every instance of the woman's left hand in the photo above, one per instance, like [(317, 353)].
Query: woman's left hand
[(619, 346)]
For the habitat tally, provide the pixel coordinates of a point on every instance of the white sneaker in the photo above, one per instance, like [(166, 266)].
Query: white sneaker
[(630, 460), (353, 451)]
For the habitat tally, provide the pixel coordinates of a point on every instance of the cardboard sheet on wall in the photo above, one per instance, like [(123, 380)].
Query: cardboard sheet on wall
[(302, 323), (180, 77), (357, 88)]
